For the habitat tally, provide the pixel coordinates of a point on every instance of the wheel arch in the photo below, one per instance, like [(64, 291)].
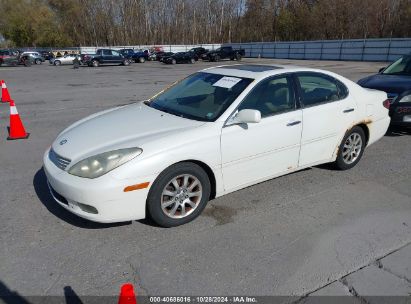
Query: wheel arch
[(366, 130), (208, 171)]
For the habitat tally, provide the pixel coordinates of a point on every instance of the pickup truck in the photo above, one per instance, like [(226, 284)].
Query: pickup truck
[(224, 52), (105, 56), (128, 53), (141, 56)]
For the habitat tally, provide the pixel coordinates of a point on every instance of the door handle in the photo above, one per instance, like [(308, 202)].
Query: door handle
[(293, 123), (348, 110)]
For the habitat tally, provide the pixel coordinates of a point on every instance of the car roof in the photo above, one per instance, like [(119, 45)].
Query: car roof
[(258, 71)]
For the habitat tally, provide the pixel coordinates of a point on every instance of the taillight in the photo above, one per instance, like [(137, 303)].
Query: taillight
[(386, 103)]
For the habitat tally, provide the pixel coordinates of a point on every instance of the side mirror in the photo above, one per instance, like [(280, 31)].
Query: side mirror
[(246, 116), (381, 70)]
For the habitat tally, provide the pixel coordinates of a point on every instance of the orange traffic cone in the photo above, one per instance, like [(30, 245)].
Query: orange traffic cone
[(127, 295), (16, 129), (5, 96)]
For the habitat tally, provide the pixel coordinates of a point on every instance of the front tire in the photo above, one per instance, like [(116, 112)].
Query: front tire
[(351, 149), (57, 62), (141, 60), (192, 61), (179, 195)]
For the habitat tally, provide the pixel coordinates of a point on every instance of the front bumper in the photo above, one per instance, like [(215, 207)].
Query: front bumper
[(101, 199), (401, 115)]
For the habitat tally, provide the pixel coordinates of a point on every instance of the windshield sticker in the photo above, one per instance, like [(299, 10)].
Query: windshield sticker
[(227, 82)]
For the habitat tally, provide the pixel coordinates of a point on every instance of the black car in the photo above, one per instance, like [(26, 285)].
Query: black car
[(47, 55), (181, 57), (395, 80), (161, 55), (224, 52), (198, 52)]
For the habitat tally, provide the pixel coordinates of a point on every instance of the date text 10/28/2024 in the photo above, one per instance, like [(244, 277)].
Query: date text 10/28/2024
[(204, 299)]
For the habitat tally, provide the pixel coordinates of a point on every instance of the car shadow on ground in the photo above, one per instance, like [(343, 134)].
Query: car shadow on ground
[(9, 296), (43, 193), (397, 131)]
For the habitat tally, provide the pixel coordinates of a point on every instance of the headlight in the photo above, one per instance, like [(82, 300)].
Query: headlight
[(406, 98), (100, 164)]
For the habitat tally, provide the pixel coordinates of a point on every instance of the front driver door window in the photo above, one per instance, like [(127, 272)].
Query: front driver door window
[(259, 151)]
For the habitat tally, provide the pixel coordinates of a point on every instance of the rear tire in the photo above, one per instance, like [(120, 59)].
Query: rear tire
[(216, 58), (141, 60), (183, 204), (351, 149), (37, 61), (238, 57), (173, 61), (95, 63)]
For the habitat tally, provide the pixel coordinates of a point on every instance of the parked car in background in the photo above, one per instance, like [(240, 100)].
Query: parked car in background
[(128, 53), (395, 80), (86, 57), (224, 52), (8, 57), (153, 56), (181, 57), (105, 56), (214, 132), (198, 51), (141, 56), (47, 55), (161, 55), (14, 57), (66, 59), (37, 58)]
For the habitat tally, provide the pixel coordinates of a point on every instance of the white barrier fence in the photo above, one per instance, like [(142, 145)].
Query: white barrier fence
[(384, 49)]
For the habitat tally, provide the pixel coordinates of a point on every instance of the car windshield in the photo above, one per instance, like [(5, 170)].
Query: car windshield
[(400, 67), (201, 96)]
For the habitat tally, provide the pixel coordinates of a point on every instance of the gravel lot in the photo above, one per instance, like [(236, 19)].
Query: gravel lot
[(288, 236)]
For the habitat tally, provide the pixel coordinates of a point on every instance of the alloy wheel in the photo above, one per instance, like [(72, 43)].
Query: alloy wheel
[(181, 196), (352, 148)]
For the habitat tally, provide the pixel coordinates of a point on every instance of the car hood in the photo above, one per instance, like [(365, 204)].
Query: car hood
[(123, 127), (387, 83)]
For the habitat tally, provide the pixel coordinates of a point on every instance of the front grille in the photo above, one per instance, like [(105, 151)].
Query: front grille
[(58, 160), (392, 97)]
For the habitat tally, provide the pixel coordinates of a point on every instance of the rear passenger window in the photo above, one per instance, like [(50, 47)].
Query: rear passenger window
[(317, 89)]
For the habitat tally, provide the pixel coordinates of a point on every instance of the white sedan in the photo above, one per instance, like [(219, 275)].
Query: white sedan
[(214, 132)]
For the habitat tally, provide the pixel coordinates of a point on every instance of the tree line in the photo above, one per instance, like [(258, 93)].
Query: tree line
[(56, 23)]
